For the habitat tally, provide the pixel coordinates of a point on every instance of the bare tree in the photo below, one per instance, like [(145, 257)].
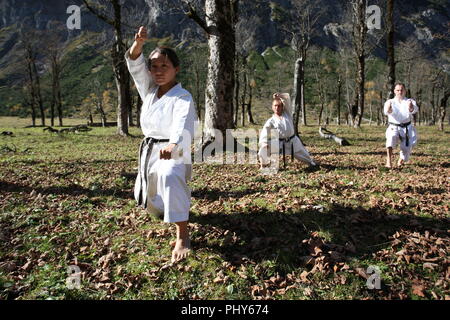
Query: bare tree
[(390, 46), (219, 24), (443, 109), (246, 30), (97, 99), (197, 70), (118, 49), (54, 56), (359, 41), (301, 25), (29, 43)]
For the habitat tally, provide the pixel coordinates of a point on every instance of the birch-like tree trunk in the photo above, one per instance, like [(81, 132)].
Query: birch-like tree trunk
[(299, 90), (390, 47), (220, 21), (219, 24)]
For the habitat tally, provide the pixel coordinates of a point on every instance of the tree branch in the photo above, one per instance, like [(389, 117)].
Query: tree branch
[(192, 14), (98, 14)]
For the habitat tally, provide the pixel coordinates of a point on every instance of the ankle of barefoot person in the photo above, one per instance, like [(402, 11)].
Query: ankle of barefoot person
[(182, 231)]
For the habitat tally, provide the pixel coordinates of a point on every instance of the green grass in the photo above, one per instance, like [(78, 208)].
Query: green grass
[(68, 200)]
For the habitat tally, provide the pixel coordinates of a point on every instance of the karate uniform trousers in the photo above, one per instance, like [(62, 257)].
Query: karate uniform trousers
[(285, 130), (161, 185), (399, 131)]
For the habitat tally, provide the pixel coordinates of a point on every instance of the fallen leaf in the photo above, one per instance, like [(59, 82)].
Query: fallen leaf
[(418, 290)]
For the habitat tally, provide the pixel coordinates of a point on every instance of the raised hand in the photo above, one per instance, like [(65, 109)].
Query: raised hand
[(139, 40), (410, 106), (141, 36)]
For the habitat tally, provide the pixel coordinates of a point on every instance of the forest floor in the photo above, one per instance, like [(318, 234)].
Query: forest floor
[(67, 200)]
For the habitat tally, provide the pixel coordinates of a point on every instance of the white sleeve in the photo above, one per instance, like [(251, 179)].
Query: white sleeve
[(264, 135), (386, 107), (141, 76), (184, 117)]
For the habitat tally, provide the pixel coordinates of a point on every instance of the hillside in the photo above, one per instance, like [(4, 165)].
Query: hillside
[(422, 20)]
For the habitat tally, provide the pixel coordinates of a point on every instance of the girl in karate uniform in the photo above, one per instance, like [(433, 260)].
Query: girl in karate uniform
[(281, 121), (399, 111), (167, 122)]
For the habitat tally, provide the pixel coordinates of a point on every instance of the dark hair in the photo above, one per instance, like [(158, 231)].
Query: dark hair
[(168, 52), (400, 84)]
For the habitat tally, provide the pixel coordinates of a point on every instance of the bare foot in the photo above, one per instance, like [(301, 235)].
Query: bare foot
[(181, 250), (400, 162)]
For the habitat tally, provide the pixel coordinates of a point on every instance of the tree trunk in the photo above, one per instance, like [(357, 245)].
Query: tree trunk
[(130, 111), (324, 133), (419, 103), (319, 122), (299, 99), (390, 47), (380, 110), (360, 38), (32, 91), (249, 106), (197, 93), (443, 109), (122, 84), (138, 111), (433, 105), (243, 98), (220, 21), (38, 92), (121, 74), (220, 26), (59, 99), (54, 102), (236, 91), (339, 102)]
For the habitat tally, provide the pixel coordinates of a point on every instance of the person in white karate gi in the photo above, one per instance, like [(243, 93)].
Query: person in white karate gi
[(281, 121), (167, 122), (399, 111)]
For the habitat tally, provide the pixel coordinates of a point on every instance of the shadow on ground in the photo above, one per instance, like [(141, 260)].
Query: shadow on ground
[(264, 235)]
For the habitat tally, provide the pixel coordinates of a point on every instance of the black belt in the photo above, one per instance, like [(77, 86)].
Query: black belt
[(403, 125), (149, 141), (285, 140)]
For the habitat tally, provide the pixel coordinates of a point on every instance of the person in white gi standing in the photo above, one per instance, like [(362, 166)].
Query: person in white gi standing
[(167, 116), (281, 121), (400, 111)]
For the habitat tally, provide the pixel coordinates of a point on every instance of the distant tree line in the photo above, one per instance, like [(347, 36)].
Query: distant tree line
[(227, 77)]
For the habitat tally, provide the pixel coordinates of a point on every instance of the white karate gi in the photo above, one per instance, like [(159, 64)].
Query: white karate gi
[(285, 128), (401, 116), (171, 117)]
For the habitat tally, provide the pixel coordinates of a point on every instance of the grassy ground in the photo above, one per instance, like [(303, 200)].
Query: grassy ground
[(302, 234)]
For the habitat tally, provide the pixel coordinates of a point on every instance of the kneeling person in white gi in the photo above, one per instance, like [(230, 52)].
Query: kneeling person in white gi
[(399, 111), (168, 112), (281, 121)]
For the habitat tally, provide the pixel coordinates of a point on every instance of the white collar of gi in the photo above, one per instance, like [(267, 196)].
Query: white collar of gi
[(172, 91)]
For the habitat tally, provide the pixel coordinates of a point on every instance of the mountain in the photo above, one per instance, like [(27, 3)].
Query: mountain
[(426, 21)]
